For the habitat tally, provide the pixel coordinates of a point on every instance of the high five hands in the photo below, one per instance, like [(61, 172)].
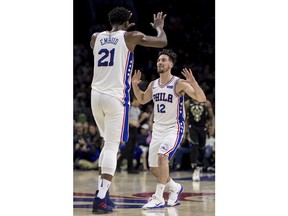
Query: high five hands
[(158, 20)]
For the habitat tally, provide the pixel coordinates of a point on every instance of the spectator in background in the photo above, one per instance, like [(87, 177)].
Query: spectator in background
[(86, 156), (143, 141), (198, 114), (86, 127), (94, 137), (87, 147), (136, 117), (184, 148), (79, 138), (79, 133), (209, 161)]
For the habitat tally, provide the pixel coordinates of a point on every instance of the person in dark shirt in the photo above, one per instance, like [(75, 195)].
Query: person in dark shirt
[(199, 116)]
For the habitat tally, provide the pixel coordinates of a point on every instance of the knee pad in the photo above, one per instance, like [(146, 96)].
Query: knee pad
[(101, 158), (109, 158)]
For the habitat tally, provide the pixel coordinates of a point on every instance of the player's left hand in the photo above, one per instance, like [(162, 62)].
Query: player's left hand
[(188, 75), (130, 24)]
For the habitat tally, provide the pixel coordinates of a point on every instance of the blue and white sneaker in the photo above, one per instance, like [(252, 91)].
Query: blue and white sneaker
[(174, 195), (154, 202)]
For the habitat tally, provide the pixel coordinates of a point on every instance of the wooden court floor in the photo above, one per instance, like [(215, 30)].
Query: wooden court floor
[(131, 191)]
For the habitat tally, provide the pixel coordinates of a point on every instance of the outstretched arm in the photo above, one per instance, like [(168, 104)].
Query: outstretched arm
[(142, 97), (191, 87), (158, 25), (158, 41)]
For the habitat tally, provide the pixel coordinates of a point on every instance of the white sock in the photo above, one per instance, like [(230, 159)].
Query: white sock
[(103, 188), (99, 181), (171, 184), (159, 190)]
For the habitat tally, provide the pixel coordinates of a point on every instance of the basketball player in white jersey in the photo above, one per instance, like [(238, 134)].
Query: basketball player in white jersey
[(167, 93), (110, 100)]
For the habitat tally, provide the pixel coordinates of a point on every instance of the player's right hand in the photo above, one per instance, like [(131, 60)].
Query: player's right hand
[(158, 20), (136, 78)]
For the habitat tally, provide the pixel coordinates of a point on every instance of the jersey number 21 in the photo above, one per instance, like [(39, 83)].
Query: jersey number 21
[(107, 58)]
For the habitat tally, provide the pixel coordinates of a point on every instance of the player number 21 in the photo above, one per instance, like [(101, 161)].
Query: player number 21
[(107, 59)]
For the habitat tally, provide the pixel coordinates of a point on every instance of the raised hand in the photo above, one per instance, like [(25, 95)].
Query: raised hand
[(188, 75), (158, 20), (130, 24), (136, 78)]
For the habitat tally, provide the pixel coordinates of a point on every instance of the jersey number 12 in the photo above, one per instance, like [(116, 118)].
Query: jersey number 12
[(161, 108)]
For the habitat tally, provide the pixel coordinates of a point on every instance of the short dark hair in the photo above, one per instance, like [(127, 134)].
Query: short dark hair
[(118, 15), (172, 55)]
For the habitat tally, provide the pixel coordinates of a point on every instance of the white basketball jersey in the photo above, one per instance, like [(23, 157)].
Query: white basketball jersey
[(168, 106), (113, 65)]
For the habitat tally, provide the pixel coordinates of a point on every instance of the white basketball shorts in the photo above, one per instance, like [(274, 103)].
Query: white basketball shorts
[(111, 117), (165, 140)]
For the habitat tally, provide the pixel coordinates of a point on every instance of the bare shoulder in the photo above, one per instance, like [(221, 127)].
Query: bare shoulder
[(180, 86), (94, 35), (93, 39)]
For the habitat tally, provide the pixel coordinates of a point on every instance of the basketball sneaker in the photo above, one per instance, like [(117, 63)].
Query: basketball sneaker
[(196, 174), (174, 193), (100, 206), (107, 199), (154, 202)]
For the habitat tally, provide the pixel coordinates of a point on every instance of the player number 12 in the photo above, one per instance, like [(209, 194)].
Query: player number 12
[(161, 108)]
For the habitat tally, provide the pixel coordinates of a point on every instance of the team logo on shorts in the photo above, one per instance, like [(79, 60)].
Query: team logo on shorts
[(164, 147)]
